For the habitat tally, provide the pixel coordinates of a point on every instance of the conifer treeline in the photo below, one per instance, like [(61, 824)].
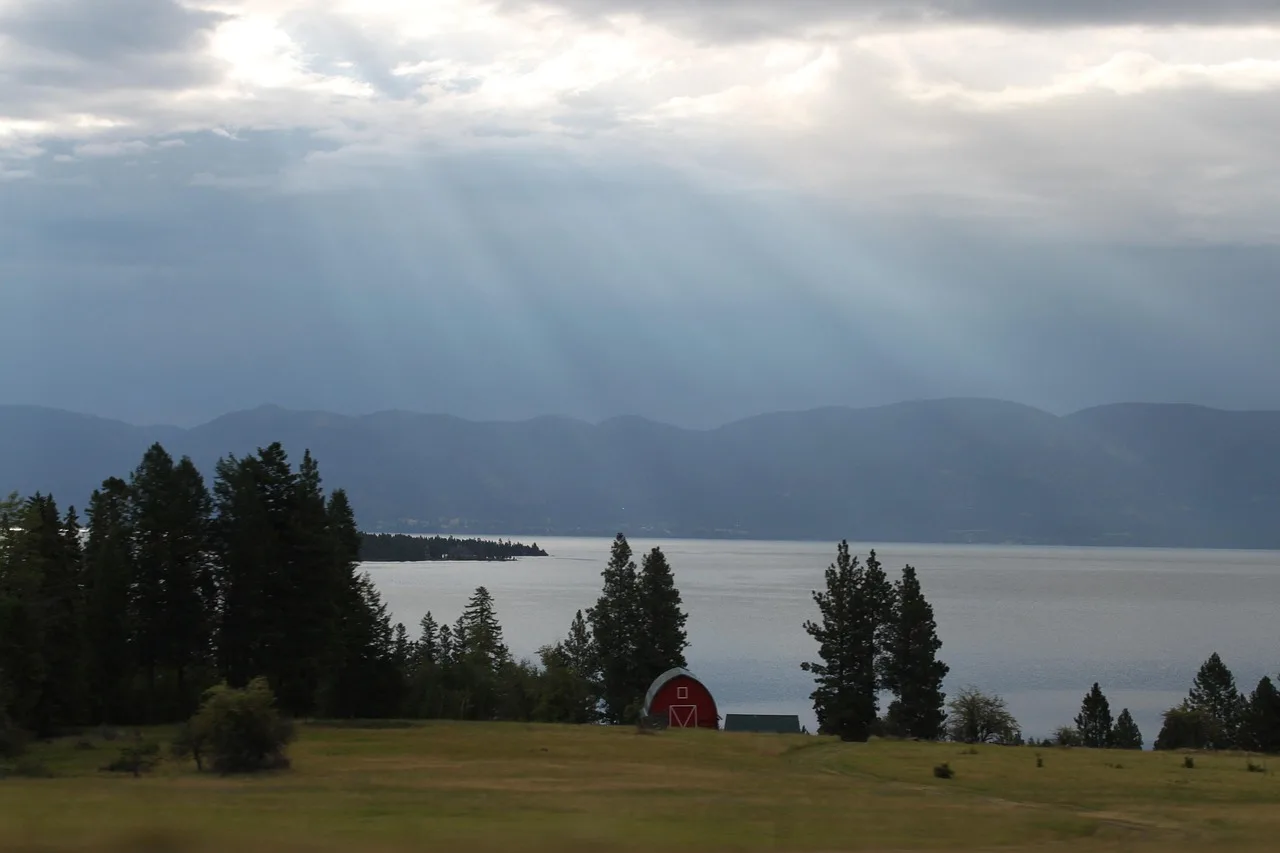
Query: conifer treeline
[(173, 587), (403, 548)]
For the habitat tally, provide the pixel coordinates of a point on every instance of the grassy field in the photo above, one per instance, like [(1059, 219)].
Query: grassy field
[(510, 787)]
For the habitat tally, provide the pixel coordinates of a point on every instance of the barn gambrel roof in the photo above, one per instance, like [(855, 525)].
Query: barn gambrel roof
[(661, 681)]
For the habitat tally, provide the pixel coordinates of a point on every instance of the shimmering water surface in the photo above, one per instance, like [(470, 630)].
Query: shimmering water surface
[(1037, 625)]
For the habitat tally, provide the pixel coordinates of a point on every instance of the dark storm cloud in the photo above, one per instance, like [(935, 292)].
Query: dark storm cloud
[(754, 18), (497, 286), (102, 44), (106, 30)]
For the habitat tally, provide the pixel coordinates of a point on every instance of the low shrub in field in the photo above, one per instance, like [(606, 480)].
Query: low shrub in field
[(943, 771), (238, 730), (1067, 736), (13, 741), (137, 758), (27, 767)]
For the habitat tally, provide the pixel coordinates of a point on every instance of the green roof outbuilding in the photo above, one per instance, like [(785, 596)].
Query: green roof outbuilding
[(782, 724)]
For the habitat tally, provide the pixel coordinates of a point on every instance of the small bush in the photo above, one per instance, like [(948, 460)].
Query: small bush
[(1067, 736), (137, 758), (1188, 762), (186, 745), (13, 741), (238, 730), (943, 771), (29, 767)]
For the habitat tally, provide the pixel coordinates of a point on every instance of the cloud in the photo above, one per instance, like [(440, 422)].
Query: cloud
[(1100, 121), (749, 19)]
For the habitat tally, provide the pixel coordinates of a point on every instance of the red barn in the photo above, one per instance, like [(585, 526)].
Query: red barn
[(682, 700)]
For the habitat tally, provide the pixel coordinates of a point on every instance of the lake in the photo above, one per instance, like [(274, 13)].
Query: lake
[(1037, 625)]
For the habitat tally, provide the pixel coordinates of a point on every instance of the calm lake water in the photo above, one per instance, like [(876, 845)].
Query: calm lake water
[(1037, 625)]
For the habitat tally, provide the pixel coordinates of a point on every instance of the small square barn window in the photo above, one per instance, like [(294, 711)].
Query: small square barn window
[(682, 692)]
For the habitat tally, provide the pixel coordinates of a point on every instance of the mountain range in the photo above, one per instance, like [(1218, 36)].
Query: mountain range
[(958, 470)]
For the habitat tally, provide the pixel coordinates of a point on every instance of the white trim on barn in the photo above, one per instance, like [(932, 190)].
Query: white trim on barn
[(661, 681)]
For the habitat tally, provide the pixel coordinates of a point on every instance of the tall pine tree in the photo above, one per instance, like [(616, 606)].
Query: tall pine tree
[(616, 622), (1260, 728), (1126, 735), (1214, 693), (911, 669), (663, 638), (1094, 723), (109, 568), (850, 609)]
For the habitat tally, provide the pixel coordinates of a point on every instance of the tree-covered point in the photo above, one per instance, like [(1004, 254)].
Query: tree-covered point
[(403, 548)]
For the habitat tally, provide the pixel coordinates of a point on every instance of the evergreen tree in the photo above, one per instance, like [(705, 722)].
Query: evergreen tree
[(569, 691), (108, 581), (310, 639), (1094, 722), (151, 490), (564, 694), (576, 648), (911, 669), (662, 639), (41, 607), (1261, 724), (482, 633), (189, 594), (1214, 692), (616, 625), (1125, 735), (364, 681), (845, 700)]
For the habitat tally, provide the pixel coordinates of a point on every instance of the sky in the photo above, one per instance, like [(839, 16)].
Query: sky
[(689, 210)]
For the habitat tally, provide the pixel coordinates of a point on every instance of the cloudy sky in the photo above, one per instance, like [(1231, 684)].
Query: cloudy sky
[(692, 210)]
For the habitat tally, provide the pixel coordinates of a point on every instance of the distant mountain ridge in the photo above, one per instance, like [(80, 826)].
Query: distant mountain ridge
[(955, 470)]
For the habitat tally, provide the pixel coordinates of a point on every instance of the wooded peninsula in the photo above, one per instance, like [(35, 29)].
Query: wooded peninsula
[(404, 548)]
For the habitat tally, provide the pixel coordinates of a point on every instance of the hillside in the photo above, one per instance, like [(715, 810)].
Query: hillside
[(938, 471)]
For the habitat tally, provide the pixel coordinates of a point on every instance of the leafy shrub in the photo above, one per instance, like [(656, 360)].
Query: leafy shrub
[(13, 741), (943, 771), (1067, 736), (186, 745), (136, 758), (975, 717), (238, 730), (28, 767)]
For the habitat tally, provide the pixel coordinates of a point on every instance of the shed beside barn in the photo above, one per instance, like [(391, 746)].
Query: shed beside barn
[(683, 701), (783, 724)]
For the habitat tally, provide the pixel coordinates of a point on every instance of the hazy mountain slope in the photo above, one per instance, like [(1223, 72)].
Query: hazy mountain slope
[(944, 470), (1216, 473)]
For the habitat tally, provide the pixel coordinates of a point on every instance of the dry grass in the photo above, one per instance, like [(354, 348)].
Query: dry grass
[(510, 787)]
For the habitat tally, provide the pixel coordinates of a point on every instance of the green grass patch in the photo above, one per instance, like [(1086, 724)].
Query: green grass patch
[(532, 788)]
